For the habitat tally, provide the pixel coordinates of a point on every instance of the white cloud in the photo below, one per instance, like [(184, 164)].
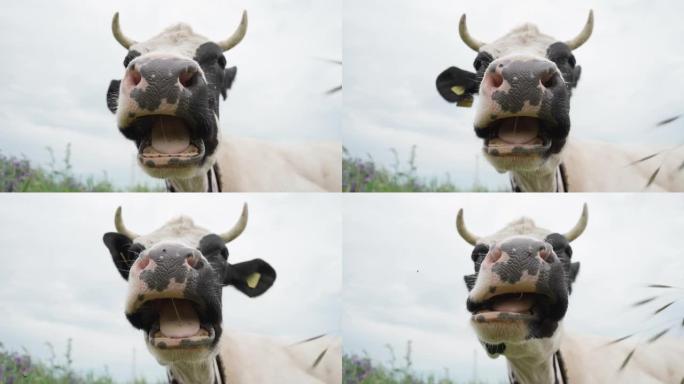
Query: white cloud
[(404, 265), (59, 281), (393, 51)]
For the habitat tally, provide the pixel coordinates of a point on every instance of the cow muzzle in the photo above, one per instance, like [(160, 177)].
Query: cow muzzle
[(174, 298), (166, 108), (520, 292), (523, 109)]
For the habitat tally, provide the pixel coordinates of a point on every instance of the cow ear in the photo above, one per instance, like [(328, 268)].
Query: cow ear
[(118, 246), (113, 95), (252, 277), (574, 271), (228, 78), (576, 72), (457, 86)]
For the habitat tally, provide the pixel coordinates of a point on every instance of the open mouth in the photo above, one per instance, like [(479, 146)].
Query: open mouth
[(168, 142), (515, 136), (175, 324), (511, 307)]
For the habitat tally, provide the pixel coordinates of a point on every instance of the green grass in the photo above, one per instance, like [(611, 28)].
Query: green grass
[(19, 175), (21, 368), (361, 370), (364, 175)]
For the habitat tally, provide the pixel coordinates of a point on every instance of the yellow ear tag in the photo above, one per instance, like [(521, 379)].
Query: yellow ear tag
[(253, 279), (457, 89), (465, 101)]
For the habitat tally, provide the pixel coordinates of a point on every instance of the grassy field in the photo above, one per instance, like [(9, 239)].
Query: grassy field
[(364, 175), (19, 175), (361, 370), (21, 368)]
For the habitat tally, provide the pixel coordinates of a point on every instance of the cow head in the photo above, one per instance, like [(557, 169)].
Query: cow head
[(175, 276), (168, 99), (519, 292), (524, 82)]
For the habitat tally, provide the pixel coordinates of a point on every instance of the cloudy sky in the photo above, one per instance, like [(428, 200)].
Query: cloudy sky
[(393, 51), (404, 264), (58, 63), (59, 281)]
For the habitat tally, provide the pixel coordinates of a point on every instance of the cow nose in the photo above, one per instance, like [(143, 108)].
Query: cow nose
[(173, 255), (521, 75), (519, 250), (163, 74)]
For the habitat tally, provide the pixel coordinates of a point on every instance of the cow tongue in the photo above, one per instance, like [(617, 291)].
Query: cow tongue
[(178, 319), (514, 304), (169, 135), (518, 130)]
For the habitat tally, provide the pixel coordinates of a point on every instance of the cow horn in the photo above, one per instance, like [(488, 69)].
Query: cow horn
[(118, 35), (237, 229), (470, 41), (584, 35), (579, 227), (463, 231), (237, 36), (121, 228)]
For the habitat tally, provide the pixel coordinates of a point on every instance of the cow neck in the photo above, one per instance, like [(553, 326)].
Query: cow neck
[(556, 181), (554, 370), (209, 182), (213, 374)]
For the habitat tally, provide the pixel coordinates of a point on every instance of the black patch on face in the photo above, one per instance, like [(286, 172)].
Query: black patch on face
[(132, 54), (478, 255), (470, 281), (212, 61), (123, 251), (563, 250), (113, 95), (481, 63), (560, 54)]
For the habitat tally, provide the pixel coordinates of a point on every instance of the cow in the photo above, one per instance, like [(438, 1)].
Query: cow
[(524, 81), (175, 277), (518, 298), (167, 103)]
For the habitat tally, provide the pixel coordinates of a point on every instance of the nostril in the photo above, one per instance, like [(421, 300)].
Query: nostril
[(494, 255), (144, 262), (545, 253), (188, 77), (549, 80), (135, 76), (192, 260), (495, 79)]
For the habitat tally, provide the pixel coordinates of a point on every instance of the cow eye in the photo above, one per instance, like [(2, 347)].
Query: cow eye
[(479, 252), (571, 60), (482, 61), (222, 61)]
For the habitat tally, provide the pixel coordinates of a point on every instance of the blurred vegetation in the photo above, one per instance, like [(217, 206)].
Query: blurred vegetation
[(21, 368), (19, 175), (361, 370), (364, 175)]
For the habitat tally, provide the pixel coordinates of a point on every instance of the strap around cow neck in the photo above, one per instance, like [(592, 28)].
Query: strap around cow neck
[(561, 180), (213, 181), (218, 367), (560, 376)]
